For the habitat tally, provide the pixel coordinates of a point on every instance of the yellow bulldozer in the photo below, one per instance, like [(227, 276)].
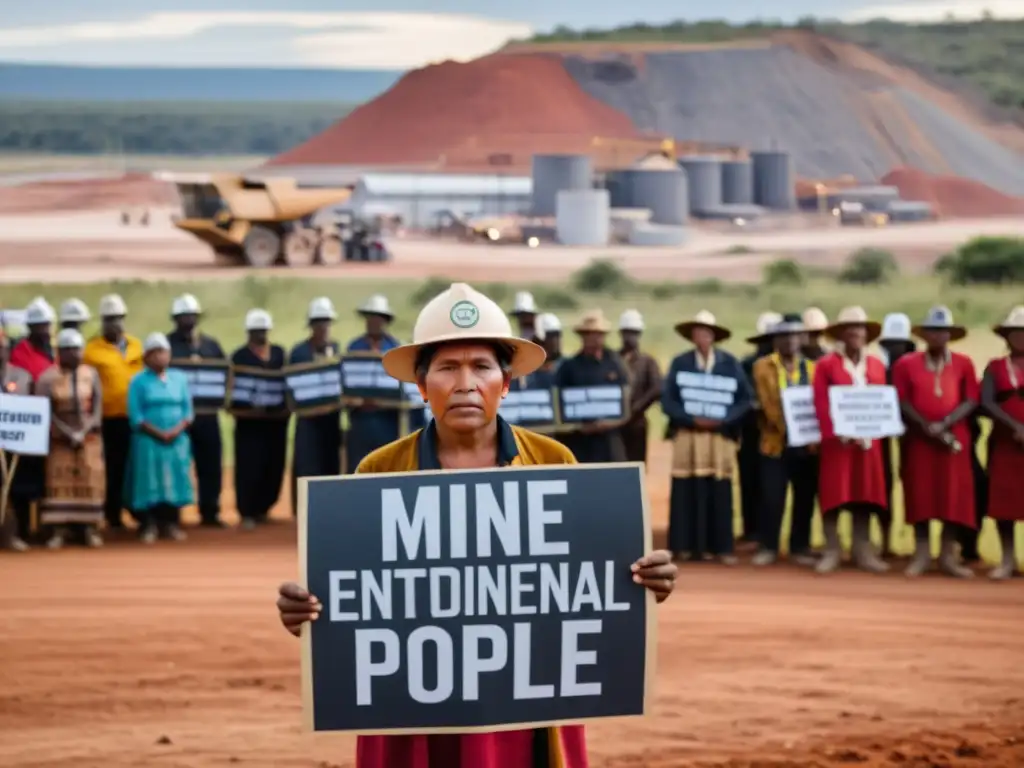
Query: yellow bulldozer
[(260, 223)]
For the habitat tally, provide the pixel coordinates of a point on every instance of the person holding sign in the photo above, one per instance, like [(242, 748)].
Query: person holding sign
[(851, 475), (160, 411), (594, 366), (644, 384), (75, 477), (462, 358), (938, 391), (187, 343), (261, 442), (317, 448), (13, 381), (786, 460), (370, 426), (706, 396), (1002, 395)]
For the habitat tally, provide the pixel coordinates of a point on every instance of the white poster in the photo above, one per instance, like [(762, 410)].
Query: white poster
[(802, 426), (25, 424), (865, 412)]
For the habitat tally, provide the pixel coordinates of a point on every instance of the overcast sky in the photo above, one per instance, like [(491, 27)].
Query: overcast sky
[(386, 34)]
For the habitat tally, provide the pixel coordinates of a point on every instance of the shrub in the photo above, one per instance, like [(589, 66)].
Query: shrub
[(869, 266), (550, 299), (985, 261), (429, 289), (784, 272), (602, 276)]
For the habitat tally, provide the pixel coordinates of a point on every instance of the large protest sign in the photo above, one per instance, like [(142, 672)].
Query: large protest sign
[(802, 427), (475, 600), (314, 388), (865, 412), (257, 393), (532, 408), (706, 395), (363, 378), (604, 403), (24, 424), (207, 382)]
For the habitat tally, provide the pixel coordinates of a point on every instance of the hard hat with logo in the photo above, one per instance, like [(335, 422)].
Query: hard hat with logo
[(940, 318), (74, 311), (258, 320)]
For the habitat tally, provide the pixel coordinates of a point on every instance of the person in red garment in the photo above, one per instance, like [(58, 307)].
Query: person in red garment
[(938, 391), (851, 475), (1002, 395), (463, 357)]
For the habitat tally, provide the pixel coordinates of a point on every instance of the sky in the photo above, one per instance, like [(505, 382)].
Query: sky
[(386, 34)]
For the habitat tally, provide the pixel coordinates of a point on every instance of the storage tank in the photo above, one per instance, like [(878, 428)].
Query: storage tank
[(554, 173), (582, 216), (704, 181), (737, 182), (664, 193), (658, 235), (620, 187), (774, 186)]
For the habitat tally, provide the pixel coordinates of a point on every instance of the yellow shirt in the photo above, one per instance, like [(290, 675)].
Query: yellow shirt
[(770, 378), (116, 370)]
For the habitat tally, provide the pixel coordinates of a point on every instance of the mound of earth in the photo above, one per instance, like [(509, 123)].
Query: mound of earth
[(129, 191)]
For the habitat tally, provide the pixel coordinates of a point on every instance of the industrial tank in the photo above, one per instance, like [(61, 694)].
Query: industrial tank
[(774, 185), (554, 173), (658, 235), (737, 182), (704, 177), (582, 217), (664, 193), (620, 187)]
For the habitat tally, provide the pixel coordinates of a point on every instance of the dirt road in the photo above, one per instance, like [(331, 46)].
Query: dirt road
[(171, 656)]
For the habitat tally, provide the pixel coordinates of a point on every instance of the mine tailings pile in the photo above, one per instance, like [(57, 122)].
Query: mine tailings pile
[(439, 110), (952, 195)]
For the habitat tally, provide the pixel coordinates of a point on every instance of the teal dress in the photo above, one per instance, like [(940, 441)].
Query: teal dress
[(158, 473)]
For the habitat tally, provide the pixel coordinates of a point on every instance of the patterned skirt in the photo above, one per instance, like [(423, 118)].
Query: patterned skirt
[(75, 484)]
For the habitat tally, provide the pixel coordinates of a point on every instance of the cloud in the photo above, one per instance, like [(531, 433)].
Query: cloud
[(352, 40), (937, 10)]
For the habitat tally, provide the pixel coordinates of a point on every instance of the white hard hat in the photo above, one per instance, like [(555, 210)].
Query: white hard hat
[(548, 323), (186, 304), (113, 305), (321, 308), (895, 327), (155, 340), (766, 321), (39, 312), (631, 320), (74, 311), (376, 305), (69, 338), (524, 304), (258, 320)]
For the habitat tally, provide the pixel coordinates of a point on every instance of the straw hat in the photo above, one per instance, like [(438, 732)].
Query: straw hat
[(74, 311), (258, 320), (462, 314), (765, 322), (592, 321), (940, 318), (113, 305), (631, 320), (377, 305), (895, 327), (703, 319), (1013, 322), (815, 320), (853, 316)]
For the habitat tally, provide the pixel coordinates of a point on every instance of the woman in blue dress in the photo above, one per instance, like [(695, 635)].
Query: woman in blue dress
[(158, 483)]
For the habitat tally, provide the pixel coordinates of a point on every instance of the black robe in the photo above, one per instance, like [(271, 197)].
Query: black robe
[(317, 448), (587, 371)]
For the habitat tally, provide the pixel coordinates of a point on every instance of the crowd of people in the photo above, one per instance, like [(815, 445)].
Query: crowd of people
[(125, 436)]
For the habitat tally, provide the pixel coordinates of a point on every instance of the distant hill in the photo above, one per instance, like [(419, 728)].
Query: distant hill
[(83, 84)]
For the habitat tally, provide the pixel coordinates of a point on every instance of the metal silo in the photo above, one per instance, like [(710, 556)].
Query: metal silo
[(737, 182), (620, 186), (658, 235), (554, 173), (774, 185), (704, 176), (582, 217), (664, 193)]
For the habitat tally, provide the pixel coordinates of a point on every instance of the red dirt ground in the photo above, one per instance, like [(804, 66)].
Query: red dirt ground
[(172, 656)]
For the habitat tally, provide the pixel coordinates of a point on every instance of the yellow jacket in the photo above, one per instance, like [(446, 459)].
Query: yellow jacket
[(769, 375), (116, 370)]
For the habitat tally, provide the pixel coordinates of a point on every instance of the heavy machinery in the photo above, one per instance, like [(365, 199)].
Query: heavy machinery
[(262, 222)]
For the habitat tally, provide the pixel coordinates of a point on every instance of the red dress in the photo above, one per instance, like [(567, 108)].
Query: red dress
[(849, 474), (506, 749), (1006, 455), (938, 484)]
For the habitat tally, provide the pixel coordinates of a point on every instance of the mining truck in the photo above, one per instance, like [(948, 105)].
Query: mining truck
[(260, 223)]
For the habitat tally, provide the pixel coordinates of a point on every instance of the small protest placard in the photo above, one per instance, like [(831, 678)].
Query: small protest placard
[(529, 408), (475, 600), (578, 405), (865, 412), (207, 383), (257, 392), (24, 424), (363, 378), (706, 395), (802, 427), (314, 388)]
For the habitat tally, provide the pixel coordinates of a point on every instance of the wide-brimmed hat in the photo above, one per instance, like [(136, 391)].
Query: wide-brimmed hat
[(853, 316), (703, 319), (592, 321), (377, 305), (815, 321), (940, 318), (765, 322), (895, 327), (1013, 322), (789, 324), (462, 314)]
